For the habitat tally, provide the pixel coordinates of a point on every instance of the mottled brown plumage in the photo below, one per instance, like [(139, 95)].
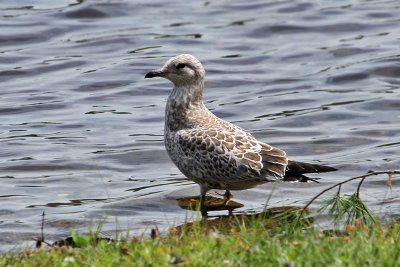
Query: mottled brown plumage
[(212, 152)]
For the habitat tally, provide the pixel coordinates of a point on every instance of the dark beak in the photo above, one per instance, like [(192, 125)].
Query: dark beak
[(154, 73)]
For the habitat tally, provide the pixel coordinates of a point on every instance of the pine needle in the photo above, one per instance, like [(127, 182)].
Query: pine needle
[(348, 209), (389, 182)]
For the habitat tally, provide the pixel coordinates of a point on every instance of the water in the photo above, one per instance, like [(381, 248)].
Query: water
[(81, 130)]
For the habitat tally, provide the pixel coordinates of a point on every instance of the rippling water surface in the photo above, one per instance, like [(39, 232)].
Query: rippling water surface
[(81, 130)]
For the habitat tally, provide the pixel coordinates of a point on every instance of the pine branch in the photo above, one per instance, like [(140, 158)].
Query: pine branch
[(362, 177)]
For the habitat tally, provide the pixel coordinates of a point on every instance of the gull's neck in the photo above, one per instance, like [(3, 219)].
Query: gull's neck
[(181, 101), (188, 93)]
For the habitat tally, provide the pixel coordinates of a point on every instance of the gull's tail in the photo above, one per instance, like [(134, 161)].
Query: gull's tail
[(295, 171)]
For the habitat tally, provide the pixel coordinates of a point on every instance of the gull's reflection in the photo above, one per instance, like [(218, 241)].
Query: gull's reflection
[(218, 204), (270, 218)]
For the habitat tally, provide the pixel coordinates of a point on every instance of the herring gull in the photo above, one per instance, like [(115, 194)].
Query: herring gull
[(214, 153)]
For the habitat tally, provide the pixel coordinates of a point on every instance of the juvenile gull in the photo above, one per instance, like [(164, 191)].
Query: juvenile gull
[(212, 152)]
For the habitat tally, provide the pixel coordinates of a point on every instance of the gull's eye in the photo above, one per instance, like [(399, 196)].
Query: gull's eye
[(180, 66)]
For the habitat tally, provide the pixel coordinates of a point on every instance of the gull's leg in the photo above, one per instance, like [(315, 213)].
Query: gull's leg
[(227, 197), (230, 212), (203, 191)]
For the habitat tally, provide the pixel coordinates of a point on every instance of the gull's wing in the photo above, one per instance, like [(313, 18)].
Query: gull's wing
[(232, 153)]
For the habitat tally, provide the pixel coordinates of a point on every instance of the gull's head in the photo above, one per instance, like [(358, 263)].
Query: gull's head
[(182, 70)]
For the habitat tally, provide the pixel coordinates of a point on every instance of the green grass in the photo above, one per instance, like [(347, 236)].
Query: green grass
[(244, 241), (275, 237)]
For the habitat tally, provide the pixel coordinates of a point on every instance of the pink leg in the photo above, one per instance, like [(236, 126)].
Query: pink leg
[(227, 197)]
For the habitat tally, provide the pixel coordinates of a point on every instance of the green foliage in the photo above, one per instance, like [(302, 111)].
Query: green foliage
[(249, 244), (359, 210), (80, 240), (348, 209)]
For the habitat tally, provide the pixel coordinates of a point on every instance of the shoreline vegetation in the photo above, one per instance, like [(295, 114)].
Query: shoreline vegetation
[(276, 237)]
